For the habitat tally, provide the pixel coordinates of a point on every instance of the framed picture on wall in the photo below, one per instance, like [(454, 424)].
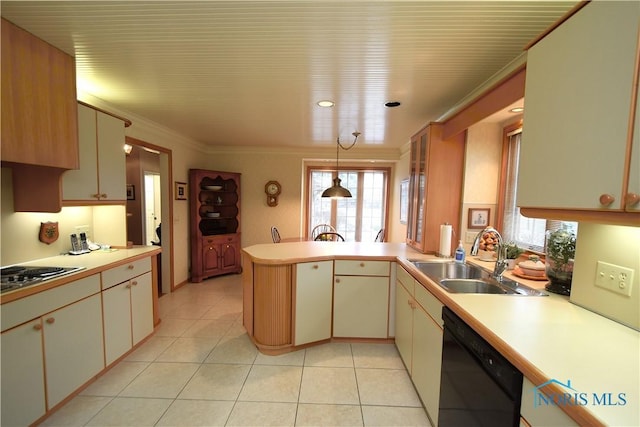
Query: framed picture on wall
[(478, 218), (181, 190), (131, 192), (404, 200)]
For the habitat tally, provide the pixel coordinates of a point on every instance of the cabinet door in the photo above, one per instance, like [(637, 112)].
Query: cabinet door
[(578, 93), (229, 255), (210, 258), (112, 173), (73, 347), (360, 306), (404, 324), (313, 297), (82, 183), (39, 121), (117, 321), (22, 375), (141, 307), (427, 353)]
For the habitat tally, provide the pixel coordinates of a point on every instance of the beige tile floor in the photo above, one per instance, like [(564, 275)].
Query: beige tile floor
[(201, 369)]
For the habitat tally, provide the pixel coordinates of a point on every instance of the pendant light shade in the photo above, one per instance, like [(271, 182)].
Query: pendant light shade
[(337, 191)]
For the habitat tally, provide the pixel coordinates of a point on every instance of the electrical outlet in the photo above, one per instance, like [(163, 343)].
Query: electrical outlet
[(470, 236), (614, 278)]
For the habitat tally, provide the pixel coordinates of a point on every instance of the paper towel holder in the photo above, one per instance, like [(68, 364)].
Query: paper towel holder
[(446, 233)]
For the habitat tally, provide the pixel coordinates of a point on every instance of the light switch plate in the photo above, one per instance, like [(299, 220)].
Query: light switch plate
[(614, 278)]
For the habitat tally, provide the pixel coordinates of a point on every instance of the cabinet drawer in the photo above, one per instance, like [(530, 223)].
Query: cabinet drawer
[(431, 304), (362, 268), (22, 310), (125, 272), (405, 278), (219, 240)]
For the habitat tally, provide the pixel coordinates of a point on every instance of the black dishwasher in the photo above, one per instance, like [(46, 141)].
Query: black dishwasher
[(478, 387)]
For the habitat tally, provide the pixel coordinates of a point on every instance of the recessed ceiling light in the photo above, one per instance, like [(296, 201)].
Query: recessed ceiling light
[(517, 110), (392, 104), (326, 103)]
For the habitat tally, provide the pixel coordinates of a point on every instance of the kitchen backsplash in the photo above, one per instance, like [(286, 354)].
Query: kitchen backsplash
[(20, 243), (617, 245)]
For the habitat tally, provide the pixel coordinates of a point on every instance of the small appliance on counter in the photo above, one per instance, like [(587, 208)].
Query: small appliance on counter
[(19, 276), (82, 245)]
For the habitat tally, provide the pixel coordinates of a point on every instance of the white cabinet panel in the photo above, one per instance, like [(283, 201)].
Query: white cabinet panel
[(141, 307), (578, 97), (313, 298), (22, 375), (73, 347), (361, 306), (117, 321)]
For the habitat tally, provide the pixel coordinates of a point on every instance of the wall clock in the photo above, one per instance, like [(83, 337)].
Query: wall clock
[(273, 189)]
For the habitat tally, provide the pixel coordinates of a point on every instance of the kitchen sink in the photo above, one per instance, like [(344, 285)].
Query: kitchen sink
[(470, 279), (472, 286), (451, 270)]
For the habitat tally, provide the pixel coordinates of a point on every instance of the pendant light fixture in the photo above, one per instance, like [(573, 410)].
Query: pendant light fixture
[(337, 191)]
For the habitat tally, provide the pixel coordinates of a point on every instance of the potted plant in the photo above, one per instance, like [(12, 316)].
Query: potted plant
[(511, 252), (560, 252)]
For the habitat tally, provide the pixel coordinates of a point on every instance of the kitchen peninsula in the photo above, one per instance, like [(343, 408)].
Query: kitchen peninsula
[(549, 339)]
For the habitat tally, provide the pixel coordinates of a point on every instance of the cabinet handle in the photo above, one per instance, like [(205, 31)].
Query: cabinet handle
[(337, 280), (130, 267), (103, 195), (128, 286), (37, 327), (315, 267), (51, 320), (362, 264), (632, 199), (134, 283), (606, 199), (95, 196)]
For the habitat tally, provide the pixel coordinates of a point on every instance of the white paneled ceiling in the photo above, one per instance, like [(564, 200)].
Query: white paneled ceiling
[(250, 72)]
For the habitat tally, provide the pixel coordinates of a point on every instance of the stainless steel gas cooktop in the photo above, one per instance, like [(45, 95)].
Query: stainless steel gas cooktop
[(19, 276)]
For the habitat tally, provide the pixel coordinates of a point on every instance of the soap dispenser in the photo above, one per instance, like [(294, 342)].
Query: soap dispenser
[(460, 253)]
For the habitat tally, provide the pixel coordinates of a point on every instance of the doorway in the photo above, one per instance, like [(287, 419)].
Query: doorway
[(152, 207), (157, 211)]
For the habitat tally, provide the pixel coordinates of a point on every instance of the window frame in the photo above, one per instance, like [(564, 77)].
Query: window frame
[(386, 170)]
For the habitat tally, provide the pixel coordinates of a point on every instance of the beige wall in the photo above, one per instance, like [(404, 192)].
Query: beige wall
[(615, 245), (482, 167)]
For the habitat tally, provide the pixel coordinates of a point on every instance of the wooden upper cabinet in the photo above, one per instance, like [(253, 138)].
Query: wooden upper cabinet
[(578, 143), (435, 186), (39, 116)]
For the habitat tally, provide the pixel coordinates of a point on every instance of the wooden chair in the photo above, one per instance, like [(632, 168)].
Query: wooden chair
[(329, 236), (275, 235), (380, 236), (322, 228)]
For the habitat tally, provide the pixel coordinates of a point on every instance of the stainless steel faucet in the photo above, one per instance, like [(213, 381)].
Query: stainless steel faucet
[(501, 262)]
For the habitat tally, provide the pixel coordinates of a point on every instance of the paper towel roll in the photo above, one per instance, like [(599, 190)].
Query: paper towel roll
[(445, 240)]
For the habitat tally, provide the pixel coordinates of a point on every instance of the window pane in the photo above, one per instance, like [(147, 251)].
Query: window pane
[(358, 218)]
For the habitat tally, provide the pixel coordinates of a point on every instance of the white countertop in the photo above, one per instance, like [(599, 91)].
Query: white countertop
[(92, 263), (546, 337)]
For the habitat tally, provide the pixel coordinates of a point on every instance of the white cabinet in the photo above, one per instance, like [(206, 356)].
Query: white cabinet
[(405, 305), (73, 348), (51, 345), (427, 351), (313, 301), (575, 151), (361, 299), (102, 173), (23, 399), (419, 338), (128, 314)]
